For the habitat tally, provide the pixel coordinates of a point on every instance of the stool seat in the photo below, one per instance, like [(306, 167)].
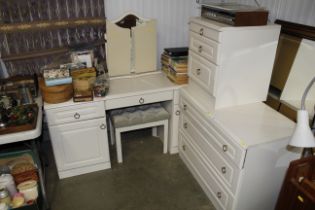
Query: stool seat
[(138, 115), (133, 118)]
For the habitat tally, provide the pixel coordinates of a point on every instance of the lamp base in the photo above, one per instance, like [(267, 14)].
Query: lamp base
[(307, 152)]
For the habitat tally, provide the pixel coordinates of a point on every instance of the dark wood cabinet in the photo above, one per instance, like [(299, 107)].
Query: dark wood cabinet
[(298, 189)]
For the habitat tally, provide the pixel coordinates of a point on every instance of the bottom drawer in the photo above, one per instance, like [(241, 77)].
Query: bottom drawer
[(206, 178)]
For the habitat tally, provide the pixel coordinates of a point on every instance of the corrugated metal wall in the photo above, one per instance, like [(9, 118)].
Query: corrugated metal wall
[(172, 17)]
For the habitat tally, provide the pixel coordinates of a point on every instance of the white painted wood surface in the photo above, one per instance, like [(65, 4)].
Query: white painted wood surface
[(80, 145), (243, 57), (239, 155)]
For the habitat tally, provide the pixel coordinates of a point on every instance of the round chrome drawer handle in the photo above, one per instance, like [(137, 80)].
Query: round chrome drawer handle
[(185, 125), (177, 112), (201, 32), (141, 100), (103, 126), (200, 49), (198, 71), (219, 195), (76, 116), (224, 148), (223, 170)]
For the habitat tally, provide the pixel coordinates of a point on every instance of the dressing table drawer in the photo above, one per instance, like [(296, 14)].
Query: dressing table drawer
[(138, 99), (75, 113), (202, 71)]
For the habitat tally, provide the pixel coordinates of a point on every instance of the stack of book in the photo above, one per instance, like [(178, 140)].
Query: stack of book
[(174, 64)]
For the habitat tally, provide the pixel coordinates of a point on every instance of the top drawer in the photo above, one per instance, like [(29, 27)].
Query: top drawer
[(75, 113), (138, 99), (205, 31)]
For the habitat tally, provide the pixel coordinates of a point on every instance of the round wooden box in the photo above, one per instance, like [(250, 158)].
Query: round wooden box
[(55, 94)]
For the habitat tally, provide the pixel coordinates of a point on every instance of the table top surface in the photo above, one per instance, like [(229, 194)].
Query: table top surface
[(25, 135), (254, 124), (121, 87)]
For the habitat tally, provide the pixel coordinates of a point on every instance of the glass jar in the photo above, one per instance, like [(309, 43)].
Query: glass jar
[(4, 196)]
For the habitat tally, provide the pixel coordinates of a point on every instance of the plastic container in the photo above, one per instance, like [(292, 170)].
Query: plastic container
[(29, 190), (4, 196), (4, 206), (7, 181)]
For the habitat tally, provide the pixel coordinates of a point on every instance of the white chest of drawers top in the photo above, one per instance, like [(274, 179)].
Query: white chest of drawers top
[(232, 65)]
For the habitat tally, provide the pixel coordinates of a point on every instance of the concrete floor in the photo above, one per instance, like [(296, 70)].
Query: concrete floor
[(147, 180)]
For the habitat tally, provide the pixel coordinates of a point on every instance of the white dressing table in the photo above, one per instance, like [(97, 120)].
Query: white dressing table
[(78, 131)]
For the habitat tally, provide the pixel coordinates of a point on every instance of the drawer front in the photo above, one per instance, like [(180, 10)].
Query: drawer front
[(83, 111), (202, 71), (204, 31), (194, 130), (205, 176), (138, 100), (221, 142), (204, 47)]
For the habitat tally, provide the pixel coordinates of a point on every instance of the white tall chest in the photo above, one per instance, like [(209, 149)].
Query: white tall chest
[(232, 65), (234, 145)]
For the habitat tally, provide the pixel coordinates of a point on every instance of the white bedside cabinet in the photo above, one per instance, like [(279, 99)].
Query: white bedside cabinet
[(78, 135)]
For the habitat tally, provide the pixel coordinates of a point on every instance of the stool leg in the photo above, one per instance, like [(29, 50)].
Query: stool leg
[(111, 131), (118, 146), (154, 131), (165, 137)]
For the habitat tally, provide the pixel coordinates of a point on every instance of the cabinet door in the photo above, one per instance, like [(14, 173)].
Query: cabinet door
[(80, 144)]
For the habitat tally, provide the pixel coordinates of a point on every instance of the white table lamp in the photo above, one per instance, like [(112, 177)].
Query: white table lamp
[(303, 135)]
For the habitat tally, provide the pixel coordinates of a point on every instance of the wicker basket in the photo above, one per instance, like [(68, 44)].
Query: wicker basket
[(55, 94), (25, 176)]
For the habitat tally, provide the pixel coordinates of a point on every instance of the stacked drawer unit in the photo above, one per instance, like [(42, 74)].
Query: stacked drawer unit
[(230, 69), (232, 65), (238, 155)]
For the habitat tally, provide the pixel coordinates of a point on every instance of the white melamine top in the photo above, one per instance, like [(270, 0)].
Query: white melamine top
[(25, 135), (254, 124), (225, 27), (128, 86)]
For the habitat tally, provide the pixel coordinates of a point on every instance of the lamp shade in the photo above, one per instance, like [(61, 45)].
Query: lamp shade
[(302, 136)]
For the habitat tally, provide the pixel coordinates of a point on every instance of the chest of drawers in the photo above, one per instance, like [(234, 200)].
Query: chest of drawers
[(238, 155), (234, 145)]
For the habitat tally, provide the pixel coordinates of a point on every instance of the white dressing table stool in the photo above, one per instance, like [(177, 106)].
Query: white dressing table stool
[(138, 117)]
